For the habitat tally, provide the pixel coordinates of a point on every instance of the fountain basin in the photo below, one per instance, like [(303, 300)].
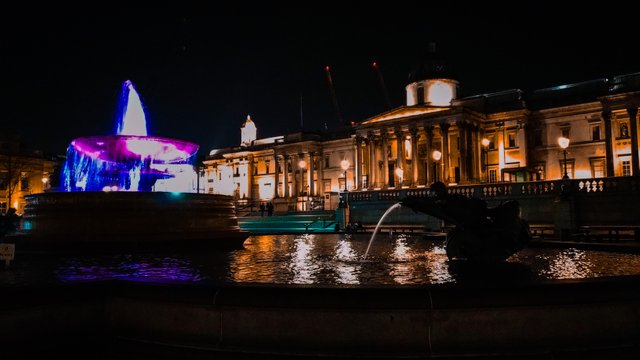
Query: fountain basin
[(598, 317), (124, 148), (128, 221)]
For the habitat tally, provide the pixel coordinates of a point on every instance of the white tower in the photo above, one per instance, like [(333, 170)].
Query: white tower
[(248, 132)]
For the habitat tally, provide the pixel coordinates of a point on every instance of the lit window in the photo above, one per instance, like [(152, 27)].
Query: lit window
[(407, 149), (492, 175), (440, 94), (569, 168), (597, 168), (626, 168)]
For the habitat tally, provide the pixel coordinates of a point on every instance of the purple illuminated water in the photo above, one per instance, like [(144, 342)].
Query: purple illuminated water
[(130, 160)]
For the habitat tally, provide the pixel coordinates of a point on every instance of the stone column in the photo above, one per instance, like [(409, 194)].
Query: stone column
[(608, 137), (356, 164), (444, 129), (321, 173), (399, 156), (276, 193), (311, 172), (472, 151), (294, 176), (372, 164), (385, 159), (633, 130), (476, 164), (414, 156), (462, 151), (301, 170), (429, 176), (285, 180), (250, 177)]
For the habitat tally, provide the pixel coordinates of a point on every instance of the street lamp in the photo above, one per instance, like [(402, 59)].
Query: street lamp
[(344, 164), (436, 155), (564, 144), (485, 146)]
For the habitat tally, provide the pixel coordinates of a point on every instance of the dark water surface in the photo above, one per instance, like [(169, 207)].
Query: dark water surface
[(322, 260)]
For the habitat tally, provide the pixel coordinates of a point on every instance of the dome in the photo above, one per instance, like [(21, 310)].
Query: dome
[(432, 66)]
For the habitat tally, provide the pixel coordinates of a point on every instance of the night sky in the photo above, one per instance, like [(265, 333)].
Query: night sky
[(201, 71)]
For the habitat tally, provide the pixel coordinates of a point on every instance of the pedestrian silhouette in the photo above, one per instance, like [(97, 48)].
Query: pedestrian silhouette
[(270, 209)]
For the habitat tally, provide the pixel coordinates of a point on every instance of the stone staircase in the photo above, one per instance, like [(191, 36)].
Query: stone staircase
[(291, 223)]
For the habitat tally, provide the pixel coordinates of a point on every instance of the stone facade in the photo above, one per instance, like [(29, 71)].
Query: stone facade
[(412, 146)]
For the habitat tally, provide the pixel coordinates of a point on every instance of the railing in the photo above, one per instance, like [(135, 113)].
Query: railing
[(582, 187)]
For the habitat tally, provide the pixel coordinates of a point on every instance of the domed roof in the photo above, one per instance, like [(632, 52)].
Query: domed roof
[(432, 66)]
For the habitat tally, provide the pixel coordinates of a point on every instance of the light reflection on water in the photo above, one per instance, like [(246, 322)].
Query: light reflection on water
[(327, 259)]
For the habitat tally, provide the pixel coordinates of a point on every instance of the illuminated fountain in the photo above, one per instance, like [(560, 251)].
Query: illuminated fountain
[(129, 160), (129, 191)]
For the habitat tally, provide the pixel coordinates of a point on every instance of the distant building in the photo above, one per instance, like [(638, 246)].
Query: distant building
[(507, 136), (22, 172)]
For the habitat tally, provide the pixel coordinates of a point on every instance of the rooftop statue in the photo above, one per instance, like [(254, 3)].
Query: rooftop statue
[(480, 233)]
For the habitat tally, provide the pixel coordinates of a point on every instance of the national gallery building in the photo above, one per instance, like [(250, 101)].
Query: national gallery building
[(577, 131)]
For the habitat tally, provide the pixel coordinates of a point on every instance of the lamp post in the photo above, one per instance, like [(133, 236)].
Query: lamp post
[(485, 147), (344, 164), (436, 155), (564, 144), (45, 181)]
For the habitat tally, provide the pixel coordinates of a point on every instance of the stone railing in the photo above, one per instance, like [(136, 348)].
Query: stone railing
[(579, 187)]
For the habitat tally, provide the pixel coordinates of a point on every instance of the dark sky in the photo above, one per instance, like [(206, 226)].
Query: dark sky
[(201, 71)]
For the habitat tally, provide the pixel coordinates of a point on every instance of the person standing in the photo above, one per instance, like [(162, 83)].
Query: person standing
[(270, 209)]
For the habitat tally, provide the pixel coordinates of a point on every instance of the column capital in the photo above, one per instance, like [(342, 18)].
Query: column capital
[(384, 134)]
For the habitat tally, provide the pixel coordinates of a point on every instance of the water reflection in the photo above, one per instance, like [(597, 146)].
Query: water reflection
[(302, 266), (347, 265), (147, 267), (324, 260)]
